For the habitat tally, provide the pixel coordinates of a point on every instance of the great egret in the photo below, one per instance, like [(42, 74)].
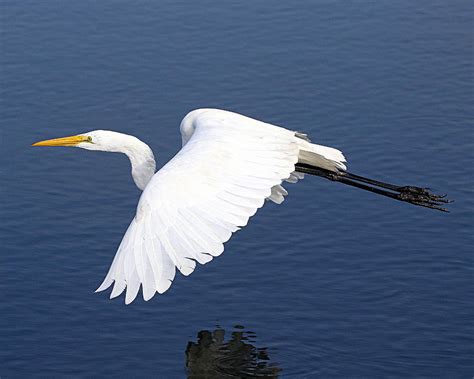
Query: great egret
[(228, 165)]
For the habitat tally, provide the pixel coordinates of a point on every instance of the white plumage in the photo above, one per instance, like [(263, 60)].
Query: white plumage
[(228, 165)]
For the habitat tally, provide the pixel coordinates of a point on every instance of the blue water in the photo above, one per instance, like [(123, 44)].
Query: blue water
[(335, 282)]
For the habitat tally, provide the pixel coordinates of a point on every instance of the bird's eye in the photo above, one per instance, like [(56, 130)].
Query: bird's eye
[(89, 139)]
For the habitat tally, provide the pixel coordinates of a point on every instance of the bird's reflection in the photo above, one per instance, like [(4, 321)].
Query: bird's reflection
[(213, 357)]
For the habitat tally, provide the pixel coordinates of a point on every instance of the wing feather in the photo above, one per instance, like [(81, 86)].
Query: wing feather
[(229, 164)]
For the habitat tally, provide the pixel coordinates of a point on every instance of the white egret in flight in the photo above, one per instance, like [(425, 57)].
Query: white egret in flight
[(228, 166)]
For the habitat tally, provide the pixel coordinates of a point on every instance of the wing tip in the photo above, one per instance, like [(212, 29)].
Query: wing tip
[(163, 287), (105, 284)]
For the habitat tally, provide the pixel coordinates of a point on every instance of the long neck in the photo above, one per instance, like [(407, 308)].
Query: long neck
[(142, 160)]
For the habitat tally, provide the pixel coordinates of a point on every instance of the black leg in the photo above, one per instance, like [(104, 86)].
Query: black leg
[(410, 194)]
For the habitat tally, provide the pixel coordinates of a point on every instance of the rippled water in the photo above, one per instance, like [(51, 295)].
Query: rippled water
[(334, 282)]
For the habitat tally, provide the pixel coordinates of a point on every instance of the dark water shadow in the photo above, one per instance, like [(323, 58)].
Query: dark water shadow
[(212, 356)]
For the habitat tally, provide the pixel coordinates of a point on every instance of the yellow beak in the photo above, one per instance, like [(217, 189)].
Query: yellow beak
[(65, 141)]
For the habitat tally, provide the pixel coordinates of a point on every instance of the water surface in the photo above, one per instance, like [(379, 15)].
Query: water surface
[(334, 282)]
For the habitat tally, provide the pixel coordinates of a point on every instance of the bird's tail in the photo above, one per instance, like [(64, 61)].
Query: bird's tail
[(411, 194), (324, 157)]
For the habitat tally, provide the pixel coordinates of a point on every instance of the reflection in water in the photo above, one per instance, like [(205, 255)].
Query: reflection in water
[(212, 357)]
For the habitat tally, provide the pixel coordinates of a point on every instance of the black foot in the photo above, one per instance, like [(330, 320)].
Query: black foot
[(423, 197)]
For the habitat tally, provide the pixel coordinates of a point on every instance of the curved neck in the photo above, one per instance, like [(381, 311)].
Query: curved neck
[(140, 155), (143, 168), (142, 160)]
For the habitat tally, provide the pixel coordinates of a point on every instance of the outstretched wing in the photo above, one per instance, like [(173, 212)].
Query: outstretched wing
[(190, 208)]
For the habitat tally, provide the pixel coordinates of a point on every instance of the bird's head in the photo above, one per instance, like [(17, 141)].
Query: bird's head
[(139, 153), (101, 140)]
